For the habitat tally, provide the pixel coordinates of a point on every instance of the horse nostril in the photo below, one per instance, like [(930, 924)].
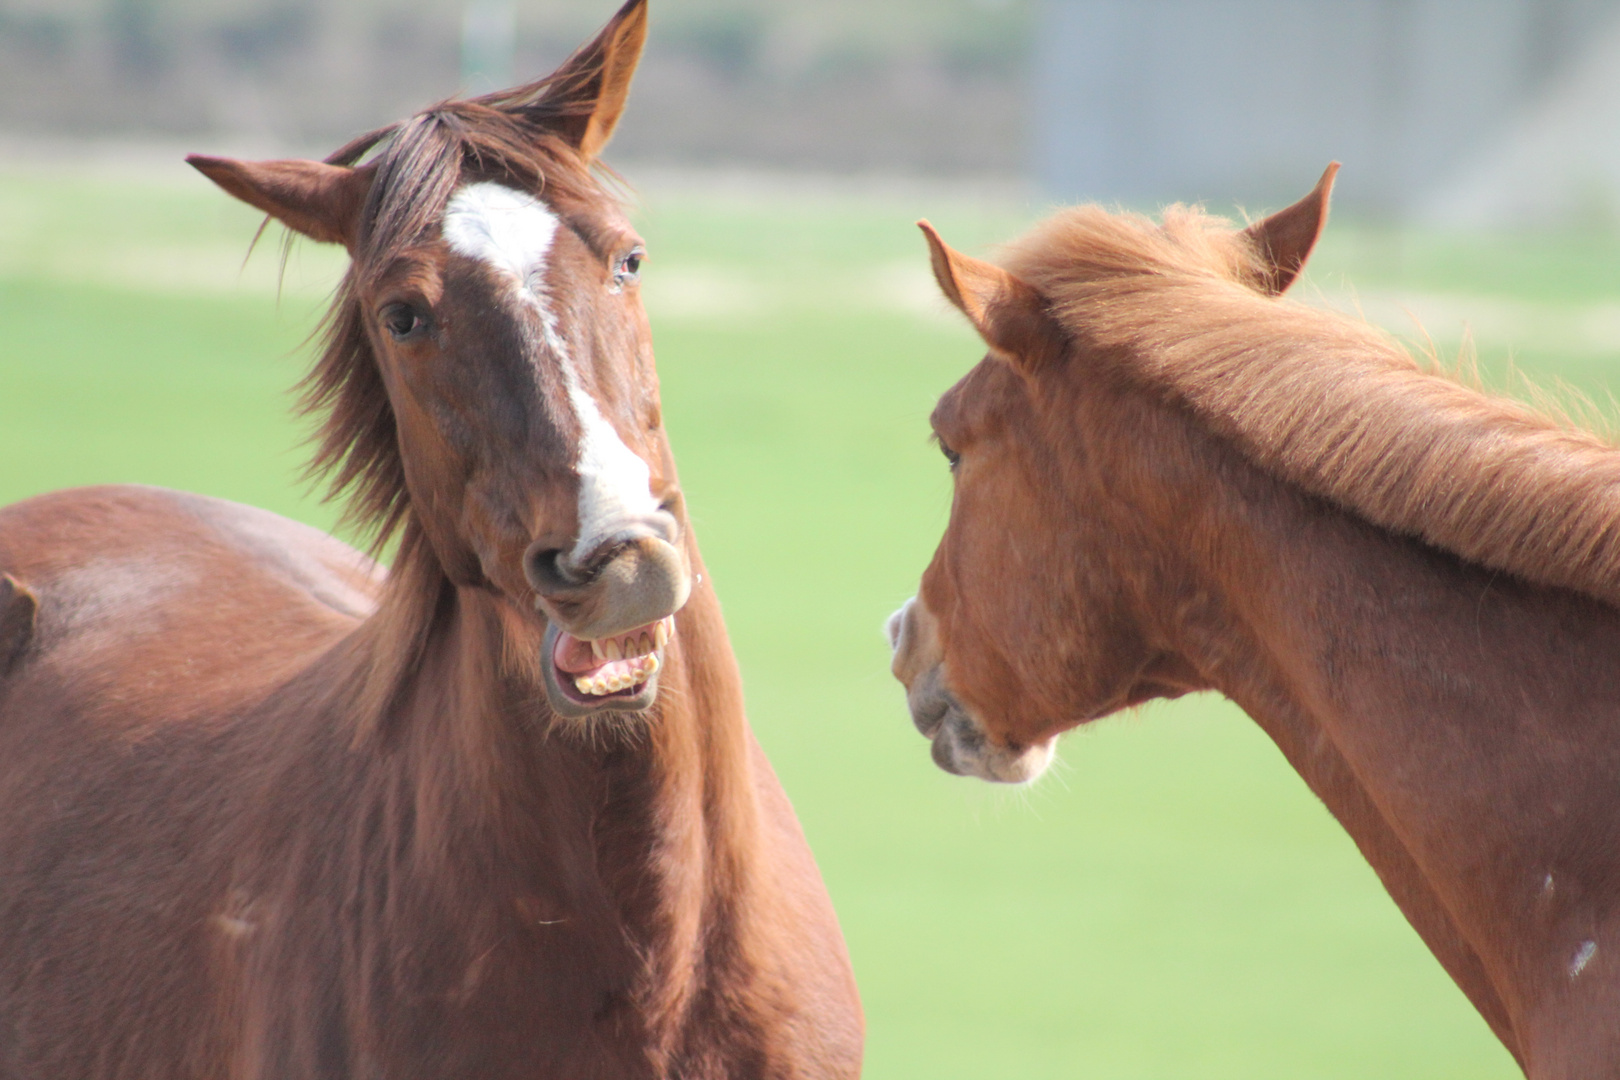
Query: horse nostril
[(673, 503), (543, 566)]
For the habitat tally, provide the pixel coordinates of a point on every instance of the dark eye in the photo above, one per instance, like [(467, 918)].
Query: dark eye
[(403, 321), (951, 456), (629, 268)]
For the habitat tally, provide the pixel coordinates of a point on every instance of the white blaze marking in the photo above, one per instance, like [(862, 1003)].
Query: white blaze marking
[(615, 486), (506, 228), (1582, 957), (513, 231)]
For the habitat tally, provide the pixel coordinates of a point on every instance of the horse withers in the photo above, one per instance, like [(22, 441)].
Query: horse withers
[(268, 811), (1169, 478)]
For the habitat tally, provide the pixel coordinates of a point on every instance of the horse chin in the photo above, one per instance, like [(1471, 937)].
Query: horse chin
[(961, 748), (960, 745), (569, 701)]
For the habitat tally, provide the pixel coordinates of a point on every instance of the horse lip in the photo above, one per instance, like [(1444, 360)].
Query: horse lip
[(929, 701), (646, 580), (930, 717), (943, 751), (567, 702)]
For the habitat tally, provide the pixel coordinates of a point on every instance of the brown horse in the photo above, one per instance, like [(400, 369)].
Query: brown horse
[(1168, 479), (270, 812)]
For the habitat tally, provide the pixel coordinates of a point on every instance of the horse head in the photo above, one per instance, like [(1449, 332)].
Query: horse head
[(488, 380), (1039, 609)]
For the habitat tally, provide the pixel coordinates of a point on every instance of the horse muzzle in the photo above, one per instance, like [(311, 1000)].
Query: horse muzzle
[(610, 617), (634, 576), (960, 745)]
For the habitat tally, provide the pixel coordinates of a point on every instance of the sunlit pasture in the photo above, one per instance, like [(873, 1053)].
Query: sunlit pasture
[(1169, 902)]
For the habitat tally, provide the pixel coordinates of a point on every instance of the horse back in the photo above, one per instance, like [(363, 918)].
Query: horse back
[(151, 607)]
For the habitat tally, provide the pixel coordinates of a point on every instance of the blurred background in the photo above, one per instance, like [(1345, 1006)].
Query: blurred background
[(1449, 110), (1171, 901)]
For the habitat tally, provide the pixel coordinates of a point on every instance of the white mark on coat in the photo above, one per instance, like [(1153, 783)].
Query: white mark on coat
[(1582, 957), (235, 920), (513, 231), (506, 228), (615, 485)]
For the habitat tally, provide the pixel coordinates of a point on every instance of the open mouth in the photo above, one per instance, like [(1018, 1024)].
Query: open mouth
[(618, 672)]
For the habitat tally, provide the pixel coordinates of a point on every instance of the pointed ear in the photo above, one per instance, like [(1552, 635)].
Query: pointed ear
[(321, 201), (1285, 239), (587, 94), (1007, 312), (18, 606)]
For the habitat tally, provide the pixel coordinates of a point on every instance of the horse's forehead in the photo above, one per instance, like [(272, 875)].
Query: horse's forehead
[(981, 398), (502, 227)]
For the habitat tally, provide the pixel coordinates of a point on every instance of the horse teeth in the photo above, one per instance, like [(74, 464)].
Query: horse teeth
[(629, 661)]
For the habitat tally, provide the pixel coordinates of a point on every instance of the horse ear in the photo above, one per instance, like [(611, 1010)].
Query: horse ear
[(18, 606), (1285, 239), (1008, 313), (586, 95), (321, 201)]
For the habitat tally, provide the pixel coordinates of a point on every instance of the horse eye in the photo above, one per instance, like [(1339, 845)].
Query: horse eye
[(402, 321), (951, 456), (629, 268)]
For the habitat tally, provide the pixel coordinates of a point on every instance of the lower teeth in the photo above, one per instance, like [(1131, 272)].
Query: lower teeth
[(600, 685)]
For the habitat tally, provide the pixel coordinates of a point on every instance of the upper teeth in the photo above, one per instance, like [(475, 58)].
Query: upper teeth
[(632, 645), (630, 659)]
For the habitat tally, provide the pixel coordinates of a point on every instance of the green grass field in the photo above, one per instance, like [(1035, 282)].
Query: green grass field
[(1170, 902)]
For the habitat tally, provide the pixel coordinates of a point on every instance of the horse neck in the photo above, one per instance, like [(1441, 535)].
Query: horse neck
[(664, 803), (1458, 724)]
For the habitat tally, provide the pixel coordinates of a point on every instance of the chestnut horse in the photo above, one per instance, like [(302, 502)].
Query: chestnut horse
[(1169, 479), (269, 812)]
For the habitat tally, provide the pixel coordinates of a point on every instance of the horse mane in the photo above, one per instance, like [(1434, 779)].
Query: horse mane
[(1326, 402), (417, 165)]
